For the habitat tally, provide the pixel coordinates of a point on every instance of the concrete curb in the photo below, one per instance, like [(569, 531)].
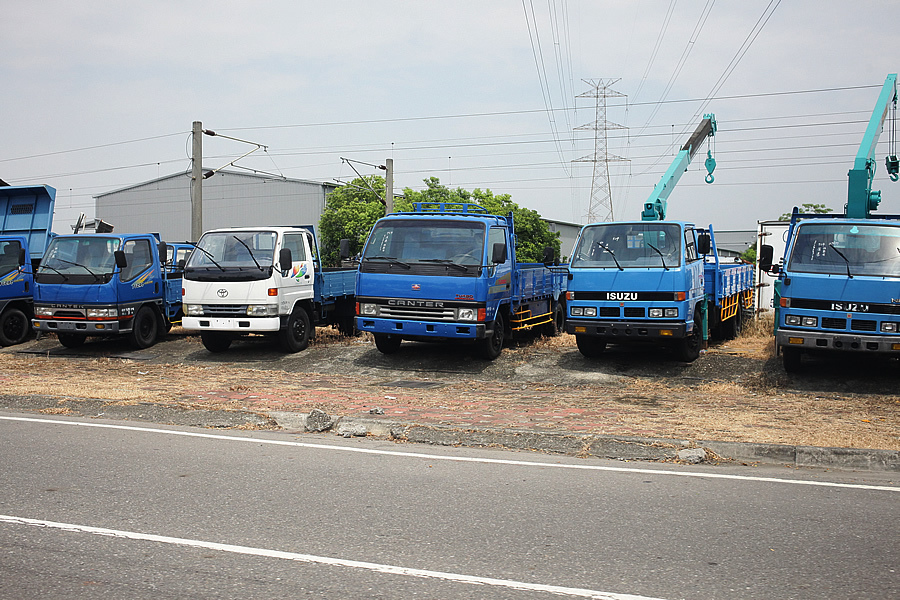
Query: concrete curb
[(605, 446)]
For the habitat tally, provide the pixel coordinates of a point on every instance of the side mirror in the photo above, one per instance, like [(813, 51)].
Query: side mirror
[(121, 261), (766, 253), (703, 243), (163, 249), (22, 257), (345, 249), (498, 253), (181, 264), (285, 260), (549, 255)]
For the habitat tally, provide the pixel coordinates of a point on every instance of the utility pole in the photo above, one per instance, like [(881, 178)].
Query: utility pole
[(388, 186), (197, 182)]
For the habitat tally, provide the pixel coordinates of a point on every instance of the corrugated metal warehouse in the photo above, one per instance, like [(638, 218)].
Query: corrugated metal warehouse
[(229, 199)]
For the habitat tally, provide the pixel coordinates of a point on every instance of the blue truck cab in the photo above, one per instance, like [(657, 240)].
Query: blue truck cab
[(106, 285), (26, 217), (449, 272), (658, 282)]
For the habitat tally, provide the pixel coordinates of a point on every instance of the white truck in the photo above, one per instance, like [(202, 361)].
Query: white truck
[(263, 280)]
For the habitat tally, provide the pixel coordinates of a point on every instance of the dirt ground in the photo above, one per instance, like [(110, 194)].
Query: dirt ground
[(736, 391)]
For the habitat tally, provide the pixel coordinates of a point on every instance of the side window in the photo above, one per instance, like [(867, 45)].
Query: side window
[(690, 245), (294, 242), (497, 235), (9, 256), (137, 253)]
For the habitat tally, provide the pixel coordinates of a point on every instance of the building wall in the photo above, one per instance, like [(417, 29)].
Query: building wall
[(229, 200)]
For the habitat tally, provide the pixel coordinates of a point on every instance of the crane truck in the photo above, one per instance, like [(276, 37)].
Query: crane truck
[(656, 281), (448, 271), (838, 283)]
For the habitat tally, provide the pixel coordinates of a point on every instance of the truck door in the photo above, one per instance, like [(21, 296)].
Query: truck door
[(299, 283), (500, 276), (693, 269), (139, 280)]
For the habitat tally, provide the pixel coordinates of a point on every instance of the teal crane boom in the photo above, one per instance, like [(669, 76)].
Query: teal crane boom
[(861, 199), (655, 206)]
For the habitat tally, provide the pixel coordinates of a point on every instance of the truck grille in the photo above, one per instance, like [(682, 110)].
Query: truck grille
[(225, 310), (832, 323), (609, 311), (634, 312), (68, 314), (863, 325), (418, 312)]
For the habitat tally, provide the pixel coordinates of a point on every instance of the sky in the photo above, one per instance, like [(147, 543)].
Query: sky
[(101, 95)]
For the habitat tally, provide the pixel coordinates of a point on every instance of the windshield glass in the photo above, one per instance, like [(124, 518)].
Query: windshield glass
[(832, 248), (81, 255), (629, 245), (418, 240), (234, 250)]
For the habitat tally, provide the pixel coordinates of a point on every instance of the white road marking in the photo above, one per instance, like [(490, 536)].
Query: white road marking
[(324, 560), (436, 457)]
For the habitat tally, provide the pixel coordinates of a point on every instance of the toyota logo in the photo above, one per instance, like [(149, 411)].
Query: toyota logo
[(222, 293)]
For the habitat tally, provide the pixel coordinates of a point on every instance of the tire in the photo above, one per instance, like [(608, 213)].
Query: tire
[(590, 346), (558, 324), (71, 340), (491, 347), (387, 343), (790, 357), (14, 327), (688, 349), (215, 341), (295, 336), (144, 328)]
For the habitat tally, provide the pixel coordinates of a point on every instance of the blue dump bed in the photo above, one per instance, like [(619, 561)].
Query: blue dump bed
[(722, 280), (336, 283), (535, 280), (27, 211)]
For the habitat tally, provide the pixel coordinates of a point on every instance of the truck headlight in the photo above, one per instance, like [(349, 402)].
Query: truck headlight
[(102, 313), (590, 311), (262, 310), (671, 312), (577, 311), (791, 320), (193, 310), (368, 309), (888, 327), (810, 321), (656, 313), (466, 314), (43, 311)]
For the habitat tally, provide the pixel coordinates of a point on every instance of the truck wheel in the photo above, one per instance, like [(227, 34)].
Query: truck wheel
[(295, 336), (387, 343), (215, 341), (14, 327), (590, 346), (145, 328), (558, 324), (791, 359), (688, 349), (493, 345), (71, 340)]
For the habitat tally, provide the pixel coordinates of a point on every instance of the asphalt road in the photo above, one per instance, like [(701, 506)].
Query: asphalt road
[(272, 515)]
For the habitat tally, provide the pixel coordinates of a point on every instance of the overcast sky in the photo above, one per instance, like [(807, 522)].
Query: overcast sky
[(101, 95)]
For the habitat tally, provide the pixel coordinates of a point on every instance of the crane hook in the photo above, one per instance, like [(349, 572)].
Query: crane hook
[(710, 167)]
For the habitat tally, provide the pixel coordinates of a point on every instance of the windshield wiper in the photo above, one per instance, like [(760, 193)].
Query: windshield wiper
[(448, 262), (208, 255), (69, 262), (606, 248), (244, 244), (846, 260), (661, 257), (57, 271), (392, 259)]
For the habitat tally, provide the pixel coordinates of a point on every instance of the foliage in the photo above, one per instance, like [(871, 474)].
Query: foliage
[(532, 233), (749, 255), (350, 212), (808, 208)]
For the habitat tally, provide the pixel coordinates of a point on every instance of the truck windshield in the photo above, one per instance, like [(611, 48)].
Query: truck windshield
[(842, 248), (234, 250), (623, 245), (433, 241), (76, 257)]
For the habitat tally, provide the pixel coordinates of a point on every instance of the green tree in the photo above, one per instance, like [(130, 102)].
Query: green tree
[(808, 208), (749, 255), (350, 212), (532, 233)]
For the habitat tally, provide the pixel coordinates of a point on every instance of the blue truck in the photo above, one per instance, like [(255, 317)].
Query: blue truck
[(264, 280), (101, 284), (655, 281), (448, 271), (838, 284), (26, 217)]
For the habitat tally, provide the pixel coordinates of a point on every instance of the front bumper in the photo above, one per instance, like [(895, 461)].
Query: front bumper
[(423, 329), (624, 330), (820, 340), (82, 327), (232, 324)]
